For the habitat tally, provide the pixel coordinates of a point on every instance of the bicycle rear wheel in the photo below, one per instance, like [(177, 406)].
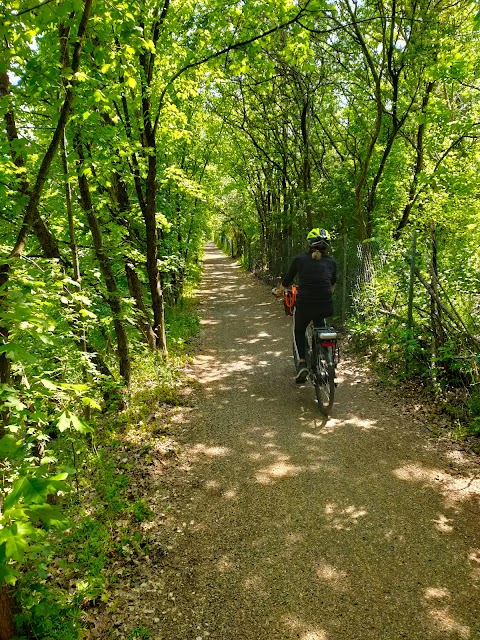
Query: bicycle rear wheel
[(324, 379)]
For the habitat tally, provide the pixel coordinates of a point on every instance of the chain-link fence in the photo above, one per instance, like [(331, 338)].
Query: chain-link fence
[(355, 266), (391, 297)]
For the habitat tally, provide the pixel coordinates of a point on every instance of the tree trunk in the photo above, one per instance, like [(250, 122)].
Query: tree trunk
[(5, 364), (419, 163), (438, 335), (156, 292), (71, 222), (121, 211), (365, 225), (113, 298), (7, 628), (307, 168), (135, 288), (148, 200)]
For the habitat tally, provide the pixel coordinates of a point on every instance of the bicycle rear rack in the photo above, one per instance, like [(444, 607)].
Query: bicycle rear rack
[(326, 333), (328, 337)]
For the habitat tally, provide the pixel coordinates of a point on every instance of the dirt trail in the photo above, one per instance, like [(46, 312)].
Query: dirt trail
[(285, 526)]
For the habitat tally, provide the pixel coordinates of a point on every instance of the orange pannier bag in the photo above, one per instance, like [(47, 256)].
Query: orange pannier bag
[(289, 297)]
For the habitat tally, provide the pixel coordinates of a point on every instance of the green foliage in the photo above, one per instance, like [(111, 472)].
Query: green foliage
[(26, 513), (474, 413), (439, 349), (49, 611), (140, 633), (31, 472), (141, 511), (183, 323), (74, 571)]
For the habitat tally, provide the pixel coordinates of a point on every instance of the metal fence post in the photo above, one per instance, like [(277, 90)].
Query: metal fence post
[(410, 295), (344, 287)]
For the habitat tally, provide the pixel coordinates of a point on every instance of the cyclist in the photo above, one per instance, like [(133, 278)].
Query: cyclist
[(316, 273)]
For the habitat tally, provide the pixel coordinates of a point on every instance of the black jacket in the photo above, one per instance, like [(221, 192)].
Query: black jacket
[(315, 278)]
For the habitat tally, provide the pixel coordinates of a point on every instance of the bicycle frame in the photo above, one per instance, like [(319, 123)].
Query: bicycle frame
[(321, 361), (320, 357)]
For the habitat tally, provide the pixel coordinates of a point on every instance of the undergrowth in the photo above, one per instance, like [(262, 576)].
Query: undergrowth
[(401, 356), (79, 570)]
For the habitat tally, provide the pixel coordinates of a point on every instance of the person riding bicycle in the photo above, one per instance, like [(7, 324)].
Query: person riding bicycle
[(316, 272)]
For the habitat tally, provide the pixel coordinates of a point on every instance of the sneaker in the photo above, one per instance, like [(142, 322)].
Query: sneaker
[(302, 373)]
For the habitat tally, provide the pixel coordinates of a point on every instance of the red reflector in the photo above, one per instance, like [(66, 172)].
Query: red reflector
[(328, 344)]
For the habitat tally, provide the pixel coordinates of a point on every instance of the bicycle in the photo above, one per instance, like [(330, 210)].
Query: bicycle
[(321, 359), (322, 355)]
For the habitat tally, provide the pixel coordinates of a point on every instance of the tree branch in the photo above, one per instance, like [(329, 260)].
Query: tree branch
[(36, 191), (217, 54), (37, 6)]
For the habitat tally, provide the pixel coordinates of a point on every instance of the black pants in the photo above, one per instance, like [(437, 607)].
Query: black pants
[(303, 314)]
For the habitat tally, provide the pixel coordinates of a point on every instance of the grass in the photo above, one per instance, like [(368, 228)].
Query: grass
[(139, 633)]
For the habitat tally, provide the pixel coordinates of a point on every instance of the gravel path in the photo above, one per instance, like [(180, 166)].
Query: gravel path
[(286, 526)]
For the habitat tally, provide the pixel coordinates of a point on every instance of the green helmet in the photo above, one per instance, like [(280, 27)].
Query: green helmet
[(318, 238)]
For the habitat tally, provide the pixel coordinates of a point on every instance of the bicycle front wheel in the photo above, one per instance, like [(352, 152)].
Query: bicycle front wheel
[(324, 379)]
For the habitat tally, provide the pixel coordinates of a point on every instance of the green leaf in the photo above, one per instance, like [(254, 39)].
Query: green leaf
[(80, 76), (15, 514), (49, 385), (10, 447), (15, 352), (90, 402), (80, 425), (15, 539), (87, 314), (14, 403), (149, 45), (68, 419), (48, 514), (64, 422), (58, 480), (78, 388), (31, 489), (8, 574), (57, 483)]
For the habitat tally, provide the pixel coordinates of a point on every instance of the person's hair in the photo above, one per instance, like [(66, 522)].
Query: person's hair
[(317, 253)]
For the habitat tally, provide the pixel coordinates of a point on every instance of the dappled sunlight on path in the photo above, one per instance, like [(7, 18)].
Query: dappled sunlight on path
[(299, 527)]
